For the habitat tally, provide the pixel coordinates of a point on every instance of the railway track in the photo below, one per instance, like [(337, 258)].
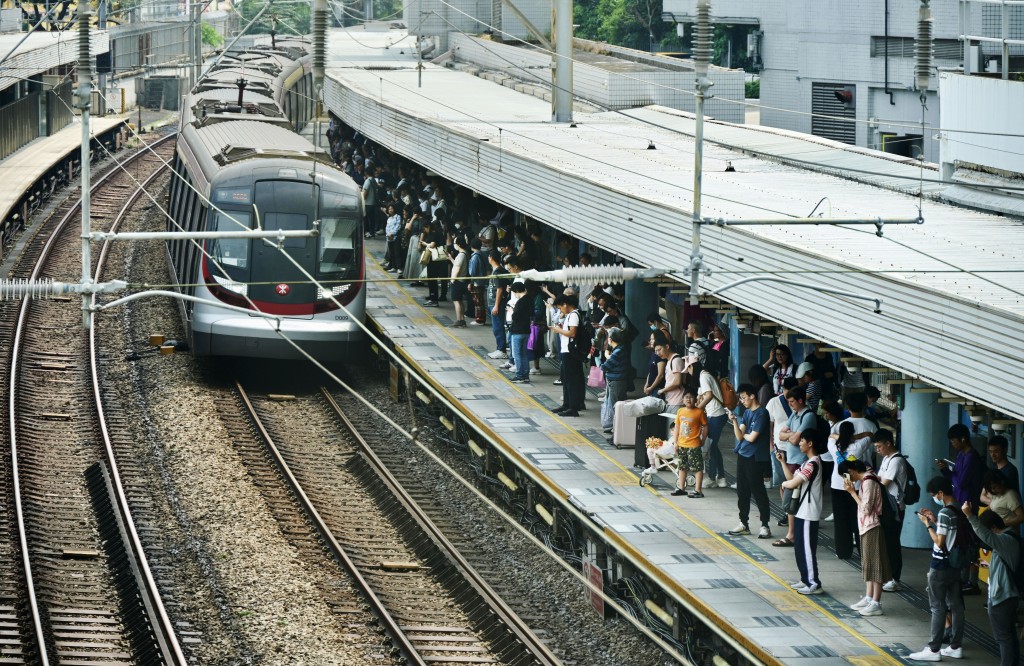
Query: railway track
[(75, 582), (431, 603)]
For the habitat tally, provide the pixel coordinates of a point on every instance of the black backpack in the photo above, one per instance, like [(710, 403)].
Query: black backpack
[(959, 552), (912, 489), (579, 346), (890, 510)]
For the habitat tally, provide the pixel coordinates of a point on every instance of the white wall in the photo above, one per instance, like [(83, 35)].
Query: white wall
[(1000, 113)]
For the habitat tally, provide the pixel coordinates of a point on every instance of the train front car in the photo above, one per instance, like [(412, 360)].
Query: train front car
[(273, 277)]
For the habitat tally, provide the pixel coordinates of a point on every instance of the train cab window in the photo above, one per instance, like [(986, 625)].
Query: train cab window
[(338, 242), (232, 253), (287, 222)]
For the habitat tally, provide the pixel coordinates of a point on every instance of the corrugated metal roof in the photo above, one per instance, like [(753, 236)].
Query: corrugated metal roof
[(43, 51), (954, 297), (250, 134)]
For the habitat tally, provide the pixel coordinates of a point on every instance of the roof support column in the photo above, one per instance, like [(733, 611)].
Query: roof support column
[(923, 438), (561, 96)]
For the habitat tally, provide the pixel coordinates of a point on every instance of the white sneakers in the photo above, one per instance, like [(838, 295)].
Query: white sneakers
[(764, 533), (925, 655), (740, 530), (952, 652), (650, 471), (892, 586), (807, 590), (871, 609), (535, 371), (861, 604), (497, 354), (830, 518), (722, 483)]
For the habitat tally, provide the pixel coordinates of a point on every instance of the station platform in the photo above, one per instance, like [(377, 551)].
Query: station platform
[(21, 169), (740, 583)]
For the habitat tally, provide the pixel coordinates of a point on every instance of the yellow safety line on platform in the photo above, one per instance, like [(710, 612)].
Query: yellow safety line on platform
[(557, 490)]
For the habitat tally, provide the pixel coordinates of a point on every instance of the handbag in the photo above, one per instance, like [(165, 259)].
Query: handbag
[(596, 378), (425, 257), (531, 343), (438, 254)]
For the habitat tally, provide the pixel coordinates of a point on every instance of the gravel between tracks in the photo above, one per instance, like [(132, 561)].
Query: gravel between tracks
[(575, 630), (234, 577)]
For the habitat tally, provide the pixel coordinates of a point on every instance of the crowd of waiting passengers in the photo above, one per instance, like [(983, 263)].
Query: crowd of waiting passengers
[(805, 428)]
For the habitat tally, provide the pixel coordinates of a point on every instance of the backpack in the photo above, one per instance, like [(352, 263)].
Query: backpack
[(579, 346), (890, 510), (959, 554), (912, 489), (729, 398)]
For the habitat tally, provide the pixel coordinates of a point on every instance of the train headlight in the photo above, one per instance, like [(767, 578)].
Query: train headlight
[(323, 294), (239, 288)]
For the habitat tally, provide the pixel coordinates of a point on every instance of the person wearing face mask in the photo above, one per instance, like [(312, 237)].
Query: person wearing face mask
[(655, 323), (943, 574)]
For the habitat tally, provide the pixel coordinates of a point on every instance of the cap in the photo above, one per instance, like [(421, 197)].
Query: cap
[(803, 369)]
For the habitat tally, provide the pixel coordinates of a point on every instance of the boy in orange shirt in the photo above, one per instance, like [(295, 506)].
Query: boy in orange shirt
[(691, 429)]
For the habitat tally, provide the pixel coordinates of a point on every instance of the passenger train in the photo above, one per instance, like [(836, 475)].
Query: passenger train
[(240, 164)]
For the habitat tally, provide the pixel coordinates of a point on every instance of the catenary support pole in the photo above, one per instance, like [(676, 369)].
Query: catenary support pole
[(701, 58), (562, 94), (84, 102)]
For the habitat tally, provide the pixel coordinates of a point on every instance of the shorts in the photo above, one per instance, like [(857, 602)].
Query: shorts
[(458, 290), (691, 460)]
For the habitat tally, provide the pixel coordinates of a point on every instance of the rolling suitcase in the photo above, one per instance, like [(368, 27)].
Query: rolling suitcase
[(623, 427), (654, 425)]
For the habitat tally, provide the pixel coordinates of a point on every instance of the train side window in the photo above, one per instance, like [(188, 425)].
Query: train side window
[(337, 244)]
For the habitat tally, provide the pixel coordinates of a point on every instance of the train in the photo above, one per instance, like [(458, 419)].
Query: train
[(240, 163)]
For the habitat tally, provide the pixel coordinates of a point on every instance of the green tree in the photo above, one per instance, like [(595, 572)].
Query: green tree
[(285, 18), (211, 37)]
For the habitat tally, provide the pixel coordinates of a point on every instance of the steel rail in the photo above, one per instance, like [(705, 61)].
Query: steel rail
[(159, 621), (508, 616), (394, 631), (33, 602)]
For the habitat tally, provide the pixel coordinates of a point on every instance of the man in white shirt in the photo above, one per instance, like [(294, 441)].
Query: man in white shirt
[(572, 364), (892, 472)]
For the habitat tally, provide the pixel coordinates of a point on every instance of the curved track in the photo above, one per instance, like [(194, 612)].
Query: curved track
[(85, 593), (429, 600)]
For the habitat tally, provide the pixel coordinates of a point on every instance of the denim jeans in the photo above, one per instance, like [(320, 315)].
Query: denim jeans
[(519, 353), (716, 466), (615, 391), (498, 328)]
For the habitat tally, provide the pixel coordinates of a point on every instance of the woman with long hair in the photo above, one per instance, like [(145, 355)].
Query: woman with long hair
[(844, 508), (874, 559), (780, 366)]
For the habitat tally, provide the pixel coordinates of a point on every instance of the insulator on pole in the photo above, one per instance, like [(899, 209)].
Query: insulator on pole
[(319, 29), (84, 91), (592, 274), (702, 38), (923, 48)]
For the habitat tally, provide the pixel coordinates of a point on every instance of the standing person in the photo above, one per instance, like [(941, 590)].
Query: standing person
[(780, 366), (944, 595), (477, 288), (697, 345), (369, 194), (572, 365), (393, 232), (1003, 595), (967, 468), (1003, 500), (762, 383), (458, 288), (538, 330), (753, 437), (616, 369), (655, 365), (496, 293), (672, 391), (522, 314), (874, 561), (778, 412), (892, 472), (709, 398), (432, 238), (800, 419), (997, 447), (691, 428), (824, 370), (805, 375), (844, 512), (807, 478)]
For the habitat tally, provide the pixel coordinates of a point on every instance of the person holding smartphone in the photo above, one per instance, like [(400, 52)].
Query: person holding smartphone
[(874, 559)]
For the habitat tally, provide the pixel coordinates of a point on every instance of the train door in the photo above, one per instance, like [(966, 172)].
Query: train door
[(277, 279)]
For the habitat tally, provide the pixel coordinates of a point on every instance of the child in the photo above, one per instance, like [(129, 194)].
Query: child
[(691, 427), (667, 448)]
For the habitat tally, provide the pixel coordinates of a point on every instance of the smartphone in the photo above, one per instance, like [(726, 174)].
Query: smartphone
[(847, 477)]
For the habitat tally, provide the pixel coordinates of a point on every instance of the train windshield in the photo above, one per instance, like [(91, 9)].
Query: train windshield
[(231, 253)]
